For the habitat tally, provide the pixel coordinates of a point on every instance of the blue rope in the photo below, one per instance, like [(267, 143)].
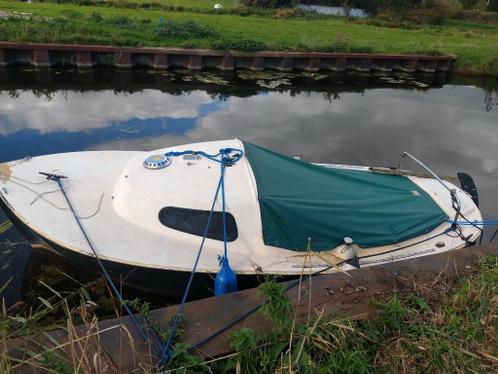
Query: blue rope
[(223, 162), (57, 178), (225, 159), (166, 355), (475, 223)]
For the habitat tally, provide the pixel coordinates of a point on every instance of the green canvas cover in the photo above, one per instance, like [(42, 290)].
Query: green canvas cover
[(299, 200)]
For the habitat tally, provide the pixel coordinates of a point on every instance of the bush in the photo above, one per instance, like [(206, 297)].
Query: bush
[(241, 44), (185, 30), (468, 4), (269, 3), (96, 17), (432, 16), (287, 13), (121, 21), (432, 12), (71, 13)]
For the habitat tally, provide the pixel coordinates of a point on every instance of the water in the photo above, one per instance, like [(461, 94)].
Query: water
[(333, 10), (451, 123)]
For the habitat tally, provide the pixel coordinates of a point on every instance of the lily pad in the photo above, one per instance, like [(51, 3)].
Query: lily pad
[(272, 84), (419, 84), (264, 75), (211, 79)]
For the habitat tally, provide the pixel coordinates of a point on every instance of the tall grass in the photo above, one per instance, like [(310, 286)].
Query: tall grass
[(475, 44), (450, 328), (445, 327)]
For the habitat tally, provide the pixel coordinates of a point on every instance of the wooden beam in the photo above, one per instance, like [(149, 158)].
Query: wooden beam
[(118, 344)]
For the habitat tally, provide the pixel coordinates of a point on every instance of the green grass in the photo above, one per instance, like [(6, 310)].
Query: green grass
[(201, 4), (443, 327), (475, 44)]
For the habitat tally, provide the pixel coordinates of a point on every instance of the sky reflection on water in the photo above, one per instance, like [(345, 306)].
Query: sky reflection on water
[(451, 127)]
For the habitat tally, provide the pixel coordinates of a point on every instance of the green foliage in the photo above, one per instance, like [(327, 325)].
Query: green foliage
[(278, 308), (52, 363), (468, 4), (445, 328), (244, 340), (71, 13), (181, 358), (180, 329), (185, 30), (345, 361), (288, 13), (252, 33), (96, 17), (239, 44), (409, 333), (121, 21)]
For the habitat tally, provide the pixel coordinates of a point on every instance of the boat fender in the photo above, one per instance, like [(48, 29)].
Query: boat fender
[(226, 280)]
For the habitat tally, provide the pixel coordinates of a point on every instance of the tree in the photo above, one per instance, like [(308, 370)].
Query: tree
[(493, 5)]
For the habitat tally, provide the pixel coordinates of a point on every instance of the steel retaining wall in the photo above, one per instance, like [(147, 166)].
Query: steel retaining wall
[(89, 56)]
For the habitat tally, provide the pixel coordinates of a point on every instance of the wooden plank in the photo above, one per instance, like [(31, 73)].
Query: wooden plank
[(339, 294)]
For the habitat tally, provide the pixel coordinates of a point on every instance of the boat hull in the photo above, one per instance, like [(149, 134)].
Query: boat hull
[(169, 283)]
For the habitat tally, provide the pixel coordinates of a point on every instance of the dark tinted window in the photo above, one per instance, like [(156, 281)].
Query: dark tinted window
[(193, 221)]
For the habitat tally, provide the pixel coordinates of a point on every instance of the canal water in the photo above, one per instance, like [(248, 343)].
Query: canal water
[(449, 122)]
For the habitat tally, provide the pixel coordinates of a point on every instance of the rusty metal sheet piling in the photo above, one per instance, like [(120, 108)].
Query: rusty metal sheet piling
[(89, 56), (115, 343)]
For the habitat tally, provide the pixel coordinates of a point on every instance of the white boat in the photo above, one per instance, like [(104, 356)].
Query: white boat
[(146, 219)]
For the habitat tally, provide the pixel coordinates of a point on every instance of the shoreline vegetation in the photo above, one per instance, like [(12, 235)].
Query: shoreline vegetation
[(439, 30), (450, 326)]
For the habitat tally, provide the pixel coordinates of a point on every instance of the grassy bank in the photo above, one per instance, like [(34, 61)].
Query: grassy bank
[(444, 327), (475, 44)]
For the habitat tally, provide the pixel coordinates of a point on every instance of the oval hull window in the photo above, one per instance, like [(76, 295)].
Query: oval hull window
[(193, 221)]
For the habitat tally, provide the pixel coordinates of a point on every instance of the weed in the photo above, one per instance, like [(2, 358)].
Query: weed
[(288, 13), (52, 363), (239, 44), (246, 29), (121, 21), (449, 329), (185, 30), (96, 17), (71, 13), (181, 358), (339, 43), (278, 308)]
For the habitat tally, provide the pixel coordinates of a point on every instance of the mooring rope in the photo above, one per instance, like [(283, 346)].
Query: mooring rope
[(226, 157), (57, 178), (294, 283)]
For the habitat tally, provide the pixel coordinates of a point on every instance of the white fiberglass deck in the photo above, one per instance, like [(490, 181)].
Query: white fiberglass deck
[(119, 201)]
